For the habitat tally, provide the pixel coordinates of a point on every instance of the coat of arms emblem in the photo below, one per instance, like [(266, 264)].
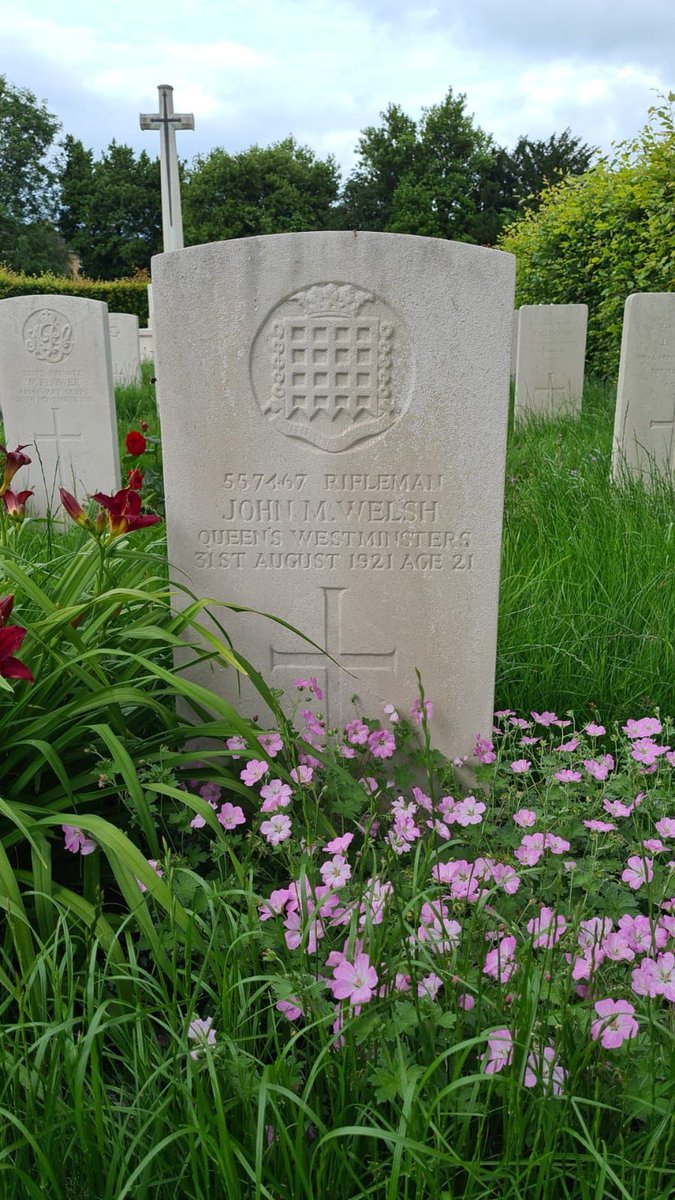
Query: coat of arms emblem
[(331, 366), (48, 335)]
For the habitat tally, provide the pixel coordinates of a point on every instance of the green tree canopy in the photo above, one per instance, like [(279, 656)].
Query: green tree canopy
[(535, 165), (274, 189), (599, 236), (110, 208)]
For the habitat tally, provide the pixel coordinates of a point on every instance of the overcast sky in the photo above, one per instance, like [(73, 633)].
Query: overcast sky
[(257, 70)]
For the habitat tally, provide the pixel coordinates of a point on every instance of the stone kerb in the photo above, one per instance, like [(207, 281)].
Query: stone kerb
[(56, 387), (334, 411), (644, 424), (550, 359), (125, 349)]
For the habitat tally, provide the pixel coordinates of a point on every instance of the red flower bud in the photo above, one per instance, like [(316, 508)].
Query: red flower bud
[(135, 443), (144, 426), (14, 459), (15, 503), (135, 479), (74, 509)]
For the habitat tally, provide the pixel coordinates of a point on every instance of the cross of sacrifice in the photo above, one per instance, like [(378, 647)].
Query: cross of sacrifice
[(58, 438), (167, 122), (336, 682), (670, 425)]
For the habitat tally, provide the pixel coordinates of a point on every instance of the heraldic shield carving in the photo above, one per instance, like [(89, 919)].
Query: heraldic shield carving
[(331, 365), (48, 335)]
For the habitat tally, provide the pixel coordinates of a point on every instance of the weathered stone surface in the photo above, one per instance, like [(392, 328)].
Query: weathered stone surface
[(514, 343), (145, 341), (334, 410), (125, 349), (151, 310), (57, 394), (644, 425), (550, 358)]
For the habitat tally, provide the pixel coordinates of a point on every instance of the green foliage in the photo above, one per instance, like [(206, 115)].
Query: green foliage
[(121, 295), (283, 188), (33, 247), (601, 236), (536, 165), (27, 131), (110, 208)]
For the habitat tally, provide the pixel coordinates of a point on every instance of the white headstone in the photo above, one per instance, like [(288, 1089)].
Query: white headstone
[(514, 343), (125, 349), (340, 461), (550, 358), (145, 339), (57, 395), (644, 426), (151, 311)]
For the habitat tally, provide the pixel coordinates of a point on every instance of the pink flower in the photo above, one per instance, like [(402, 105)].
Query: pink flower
[(545, 1069), (504, 712), (567, 776), (369, 784), (381, 743), (599, 768), (429, 986), (567, 747), (152, 862), (525, 817), (505, 877), (665, 976), (529, 741), (645, 727), (355, 982), (236, 743), (416, 710), (643, 979), (290, 1008), (391, 712), (616, 808), (615, 948), (76, 841), (484, 750), (271, 742), (547, 928), (499, 1053), (230, 816), (556, 844), (500, 962), (638, 872), (336, 872), (311, 684), (357, 733), (469, 811), (339, 844), (302, 774), (277, 829), (545, 718), (202, 1032), (466, 1001), (654, 845), (594, 730), (666, 827), (520, 766), (519, 723), (253, 771), (531, 848), (600, 826), (276, 794), (276, 904), (616, 1024)]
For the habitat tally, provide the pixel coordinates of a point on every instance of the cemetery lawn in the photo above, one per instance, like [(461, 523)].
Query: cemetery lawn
[(307, 968)]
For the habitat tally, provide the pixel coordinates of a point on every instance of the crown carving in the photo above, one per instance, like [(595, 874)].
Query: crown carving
[(332, 300)]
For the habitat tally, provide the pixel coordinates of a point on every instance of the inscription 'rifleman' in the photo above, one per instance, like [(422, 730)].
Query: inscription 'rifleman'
[(331, 365)]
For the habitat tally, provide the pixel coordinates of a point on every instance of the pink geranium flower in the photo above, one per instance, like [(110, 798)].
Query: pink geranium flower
[(547, 928), (416, 710), (545, 718), (76, 841), (525, 817), (499, 1053), (616, 1023), (277, 829), (520, 766), (290, 1008), (600, 826), (271, 742), (230, 816), (500, 962), (638, 872), (253, 771), (645, 727), (469, 811), (594, 730), (355, 982), (357, 733), (336, 872), (381, 743), (666, 827), (339, 844), (202, 1032), (567, 776), (545, 1069), (302, 774), (429, 986), (276, 794), (152, 862)]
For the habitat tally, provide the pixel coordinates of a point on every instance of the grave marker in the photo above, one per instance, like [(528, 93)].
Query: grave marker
[(56, 389), (346, 433), (644, 425), (125, 349), (550, 358), (146, 344)]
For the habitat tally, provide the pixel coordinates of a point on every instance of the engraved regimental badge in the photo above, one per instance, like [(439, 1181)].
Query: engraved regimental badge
[(48, 335), (331, 365)]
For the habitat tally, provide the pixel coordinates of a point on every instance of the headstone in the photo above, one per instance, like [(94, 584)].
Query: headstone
[(57, 394), (340, 462), (514, 343), (151, 311), (644, 425), (145, 340), (550, 359), (125, 349)]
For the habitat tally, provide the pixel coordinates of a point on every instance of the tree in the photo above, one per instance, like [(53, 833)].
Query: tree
[(274, 189), (534, 165), (110, 208), (27, 177), (599, 236), (439, 177)]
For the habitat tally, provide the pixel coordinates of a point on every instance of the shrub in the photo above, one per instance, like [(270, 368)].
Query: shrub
[(121, 295), (600, 236)]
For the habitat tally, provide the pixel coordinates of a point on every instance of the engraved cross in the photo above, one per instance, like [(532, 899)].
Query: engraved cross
[(667, 425), (338, 684), (167, 122), (58, 438), (548, 394)]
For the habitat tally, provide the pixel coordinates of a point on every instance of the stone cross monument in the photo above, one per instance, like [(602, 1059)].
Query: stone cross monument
[(167, 122)]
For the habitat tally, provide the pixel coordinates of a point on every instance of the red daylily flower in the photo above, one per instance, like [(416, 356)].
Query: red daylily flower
[(124, 511), (15, 503), (74, 508), (135, 478), (11, 637), (135, 443), (14, 459)]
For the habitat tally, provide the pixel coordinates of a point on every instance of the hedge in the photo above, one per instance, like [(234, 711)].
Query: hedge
[(121, 295)]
